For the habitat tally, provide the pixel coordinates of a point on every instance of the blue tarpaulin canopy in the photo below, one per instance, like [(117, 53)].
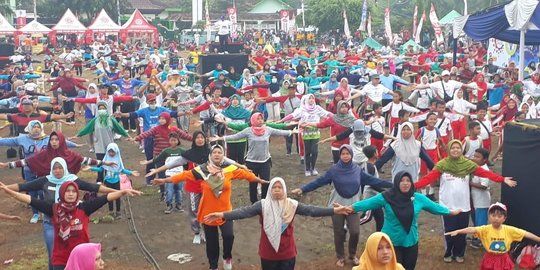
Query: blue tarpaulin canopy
[(515, 22)]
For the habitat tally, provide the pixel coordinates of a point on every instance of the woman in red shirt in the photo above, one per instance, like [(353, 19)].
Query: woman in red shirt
[(70, 218), (277, 247)]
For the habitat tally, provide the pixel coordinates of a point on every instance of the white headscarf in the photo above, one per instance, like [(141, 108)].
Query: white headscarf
[(277, 214), (407, 150), (92, 106)]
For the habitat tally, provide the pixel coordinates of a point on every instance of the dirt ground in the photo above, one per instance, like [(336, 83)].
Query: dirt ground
[(167, 234)]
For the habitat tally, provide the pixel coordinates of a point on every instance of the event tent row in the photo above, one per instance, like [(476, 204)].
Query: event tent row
[(137, 25)]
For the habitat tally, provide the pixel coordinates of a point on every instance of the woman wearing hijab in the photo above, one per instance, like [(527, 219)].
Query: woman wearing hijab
[(112, 173), (50, 186), (347, 180), (378, 254), (70, 218), (86, 256), (258, 158), (103, 127), (333, 106), (90, 111), (454, 193), (461, 108), (236, 114), (309, 112), (424, 94), (216, 184), (277, 247), (39, 163), (405, 150), (338, 123), (402, 206)]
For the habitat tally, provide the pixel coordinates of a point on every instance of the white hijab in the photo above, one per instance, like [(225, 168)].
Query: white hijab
[(277, 214), (407, 150)]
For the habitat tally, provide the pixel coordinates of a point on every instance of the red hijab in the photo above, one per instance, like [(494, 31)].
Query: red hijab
[(259, 131), (63, 211), (165, 130), (332, 107), (40, 163)]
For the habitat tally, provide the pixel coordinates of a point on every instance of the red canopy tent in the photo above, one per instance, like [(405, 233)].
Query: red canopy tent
[(68, 24), (136, 27), (102, 25)]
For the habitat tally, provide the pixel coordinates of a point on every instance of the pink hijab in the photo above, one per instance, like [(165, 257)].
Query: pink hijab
[(259, 131), (83, 257)]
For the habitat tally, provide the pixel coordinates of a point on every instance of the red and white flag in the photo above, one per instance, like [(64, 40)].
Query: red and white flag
[(419, 28), (387, 26), (369, 25), (436, 26), (415, 21), (346, 29)]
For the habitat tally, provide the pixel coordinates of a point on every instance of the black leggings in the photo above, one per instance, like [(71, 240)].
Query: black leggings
[(128, 122), (212, 242), (455, 246), (311, 151), (118, 202), (262, 170), (407, 256), (335, 156), (223, 42), (278, 265), (237, 151), (289, 142)]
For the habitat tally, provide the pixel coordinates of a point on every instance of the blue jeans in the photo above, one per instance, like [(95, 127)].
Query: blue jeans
[(174, 190), (149, 153), (29, 176), (48, 236)]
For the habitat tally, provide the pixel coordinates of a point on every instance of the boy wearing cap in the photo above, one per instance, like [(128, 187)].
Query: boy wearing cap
[(497, 238)]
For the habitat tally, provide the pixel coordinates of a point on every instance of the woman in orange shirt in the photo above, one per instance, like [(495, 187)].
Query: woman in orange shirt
[(216, 197)]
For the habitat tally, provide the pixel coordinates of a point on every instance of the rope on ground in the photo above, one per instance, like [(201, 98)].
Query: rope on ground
[(131, 222)]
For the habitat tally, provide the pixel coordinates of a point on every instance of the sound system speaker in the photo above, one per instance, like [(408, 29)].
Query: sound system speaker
[(208, 62), (521, 146), (231, 47), (6, 50)]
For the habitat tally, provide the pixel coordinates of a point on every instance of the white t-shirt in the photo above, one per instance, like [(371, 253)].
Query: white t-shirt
[(454, 192), (445, 127), (449, 87), (471, 146), (375, 93), (428, 138), (224, 27), (481, 198), (485, 129), (378, 123), (16, 58), (395, 108)]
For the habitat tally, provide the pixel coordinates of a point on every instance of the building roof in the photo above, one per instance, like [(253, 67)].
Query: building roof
[(186, 17), (270, 6), (151, 6)]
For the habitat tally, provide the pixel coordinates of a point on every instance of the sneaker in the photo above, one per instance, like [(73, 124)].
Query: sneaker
[(133, 130), (227, 264), (302, 160), (34, 219), (340, 262), (118, 215), (197, 239), (460, 260), (476, 244), (288, 154), (169, 209), (178, 208), (314, 172), (355, 261), (259, 189), (161, 196), (117, 137), (203, 237), (308, 173), (91, 150), (447, 259), (141, 147)]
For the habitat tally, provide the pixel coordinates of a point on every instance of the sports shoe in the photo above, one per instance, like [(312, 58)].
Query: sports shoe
[(476, 243), (133, 130), (302, 160), (34, 219), (169, 209), (308, 173), (197, 239), (447, 259), (91, 150), (117, 137), (227, 264), (460, 260), (178, 208), (314, 172)]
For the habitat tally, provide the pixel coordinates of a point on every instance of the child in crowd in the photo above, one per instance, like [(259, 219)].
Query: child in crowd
[(497, 238), (394, 107), (480, 196), (112, 174), (473, 141), (378, 123), (486, 127), (430, 138), (378, 214)]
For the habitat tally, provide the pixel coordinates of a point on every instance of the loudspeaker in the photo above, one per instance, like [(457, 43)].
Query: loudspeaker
[(207, 62), (6, 50), (236, 47), (520, 160)]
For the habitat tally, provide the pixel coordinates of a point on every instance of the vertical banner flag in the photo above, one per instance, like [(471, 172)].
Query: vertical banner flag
[(369, 25), (436, 26), (364, 17), (284, 15), (20, 14), (208, 24), (387, 26), (415, 21), (232, 17), (346, 29), (419, 28)]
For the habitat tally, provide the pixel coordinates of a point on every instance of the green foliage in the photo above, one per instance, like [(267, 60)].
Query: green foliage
[(52, 10)]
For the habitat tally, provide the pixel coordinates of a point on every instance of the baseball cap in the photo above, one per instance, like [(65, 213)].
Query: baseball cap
[(445, 73), (151, 97), (497, 205), (174, 72), (26, 101), (375, 76)]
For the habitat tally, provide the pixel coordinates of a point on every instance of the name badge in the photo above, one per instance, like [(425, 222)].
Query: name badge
[(51, 188)]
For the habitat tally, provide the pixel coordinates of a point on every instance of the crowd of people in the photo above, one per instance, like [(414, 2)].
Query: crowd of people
[(434, 121)]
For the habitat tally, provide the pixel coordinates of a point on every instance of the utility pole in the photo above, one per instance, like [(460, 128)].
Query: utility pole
[(303, 16), (118, 12), (35, 9)]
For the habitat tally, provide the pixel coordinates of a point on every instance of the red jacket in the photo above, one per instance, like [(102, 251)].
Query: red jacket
[(69, 86), (335, 129), (287, 245), (160, 142)]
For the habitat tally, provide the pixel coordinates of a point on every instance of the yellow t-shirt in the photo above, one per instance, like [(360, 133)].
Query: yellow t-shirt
[(499, 241)]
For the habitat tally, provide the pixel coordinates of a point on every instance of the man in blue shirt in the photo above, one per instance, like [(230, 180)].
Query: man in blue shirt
[(388, 80)]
